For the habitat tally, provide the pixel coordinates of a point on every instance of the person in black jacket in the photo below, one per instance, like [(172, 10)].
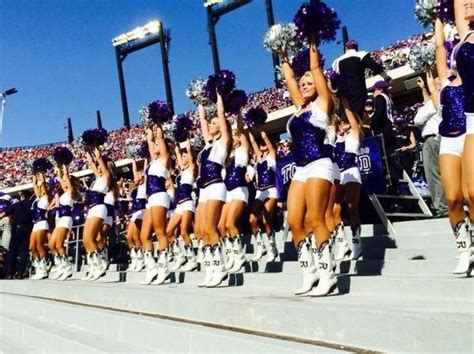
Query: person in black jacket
[(351, 66), (22, 224)]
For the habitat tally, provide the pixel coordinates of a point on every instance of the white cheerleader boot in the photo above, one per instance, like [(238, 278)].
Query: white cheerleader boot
[(41, 270), (327, 279), (308, 267), (238, 255), (260, 249), (229, 255), (219, 273), (200, 252), (207, 264), (55, 270), (356, 244), (191, 262), (66, 268), (139, 261), (163, 269), (90, 267), (100, 266), (342, 246), (272, 252), (151, 269), (463, 243), (179, 258), (133, 260)]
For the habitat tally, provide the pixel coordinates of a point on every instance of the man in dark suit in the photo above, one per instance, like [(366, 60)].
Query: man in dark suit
[(351, 66)]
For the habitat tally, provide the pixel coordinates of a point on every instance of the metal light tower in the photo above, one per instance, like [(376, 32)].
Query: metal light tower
[(216, 9), (70, 135), (142, 37), (4, 94)]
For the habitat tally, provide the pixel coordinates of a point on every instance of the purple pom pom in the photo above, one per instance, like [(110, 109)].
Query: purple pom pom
[(94, 137), (42, 165), (62, 155), (300, 62), (255, 117), (143, 151), (182, 127), (445, 11), (317, 19), (159, 112), (223, 82), (235, 101)]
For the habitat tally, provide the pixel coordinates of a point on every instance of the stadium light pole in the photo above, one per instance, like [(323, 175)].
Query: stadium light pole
[(345, 38), (4, 94), (140, 38), (70, 135)]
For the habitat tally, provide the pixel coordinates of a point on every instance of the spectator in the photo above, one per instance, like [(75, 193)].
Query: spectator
[(405, 143), (428, 119), (367, 117)]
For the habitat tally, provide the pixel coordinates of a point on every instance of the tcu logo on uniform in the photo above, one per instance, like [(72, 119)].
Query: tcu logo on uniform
[(287, 172), (364, 163)]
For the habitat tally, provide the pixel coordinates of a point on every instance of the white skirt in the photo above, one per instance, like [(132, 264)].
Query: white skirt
[(137, 215), (41, 225), (214, 191), (351, 175), (239, 193), (161, 199), (188, 205), (322, 168), (97, 211), (65, 222), (452, 145)]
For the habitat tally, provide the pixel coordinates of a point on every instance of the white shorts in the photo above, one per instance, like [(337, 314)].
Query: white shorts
[(351, 175), (64, 221), (469, 123), (97, 211), (270, 193), (41, 225), (137, 215), (215, 191), (452, 145), (109, 220), (188, 205), (239, 193), (158, 199), (322, 168), (169, 213), (336, 172)]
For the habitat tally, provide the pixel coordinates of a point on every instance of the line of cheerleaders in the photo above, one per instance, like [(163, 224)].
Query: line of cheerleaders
[(325, 135)]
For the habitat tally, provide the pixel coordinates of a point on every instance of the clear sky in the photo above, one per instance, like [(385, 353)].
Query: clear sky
[(58, 54)]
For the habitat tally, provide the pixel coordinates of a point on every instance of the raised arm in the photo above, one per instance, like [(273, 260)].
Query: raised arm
[(226, 134), (192, 162), (59, 175), (162, 146), (433, 89), (151, 142), (36, 188), (43, 188), (290, 79), (177, 152), (268, 143), (355, 126), (91, 164), (203, 121), (102, 165), (319, 79), (440, 52), (255, 147), (134, 170), (68, 182)]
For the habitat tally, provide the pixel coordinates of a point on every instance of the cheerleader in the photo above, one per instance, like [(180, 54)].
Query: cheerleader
[(310, 188), (212, 191), (138, 195), (184, 213), (158, 203), (39, 234), (346, 151), (265, 199), (464, 58), (64, 224), (97, 212), (450, 102), (236, 200)]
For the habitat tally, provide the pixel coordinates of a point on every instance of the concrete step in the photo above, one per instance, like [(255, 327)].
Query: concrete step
[(387, 321), (440, 225), (413, 285), (433, 253), (99, 330)]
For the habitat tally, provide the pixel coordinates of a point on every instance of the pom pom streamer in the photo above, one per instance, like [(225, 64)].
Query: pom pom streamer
[(222, 82), (94, 137), (445, 10), (196, 92), (315, 18), (255, 117), (422, 56), (143, 114), (183, 127), (282, 36), (425, 11), (159, 112), (62, 155), (42, 165), (143, 152), (235, 101)]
